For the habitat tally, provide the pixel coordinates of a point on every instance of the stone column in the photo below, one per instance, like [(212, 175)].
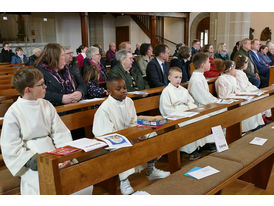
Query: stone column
[(228, 27)]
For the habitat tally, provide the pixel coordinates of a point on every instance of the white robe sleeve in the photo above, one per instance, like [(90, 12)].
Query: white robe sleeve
[(200, 94), (223, 88), (132, 114), (14, 151), (102, 124), (59, 132), (166, 107), (190, 102)]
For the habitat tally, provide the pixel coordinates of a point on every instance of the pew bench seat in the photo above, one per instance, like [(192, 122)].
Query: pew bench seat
[(179, 184), (245, 161), (243, 152), (9, 185)]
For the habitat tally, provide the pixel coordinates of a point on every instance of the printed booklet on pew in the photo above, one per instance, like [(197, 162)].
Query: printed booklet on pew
[(115, 141), (87, 144)]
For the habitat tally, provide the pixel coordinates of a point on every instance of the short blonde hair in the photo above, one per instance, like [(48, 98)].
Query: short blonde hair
[(174, 69)]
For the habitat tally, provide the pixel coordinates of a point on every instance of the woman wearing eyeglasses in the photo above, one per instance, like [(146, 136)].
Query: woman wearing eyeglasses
[(63, 87), (130, 74), (93, 58), (227, 87)]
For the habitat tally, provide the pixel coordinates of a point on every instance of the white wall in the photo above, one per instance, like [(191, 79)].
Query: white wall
[(108, 30), (260, 20), (68, 30), (173, 31), (136, 34)]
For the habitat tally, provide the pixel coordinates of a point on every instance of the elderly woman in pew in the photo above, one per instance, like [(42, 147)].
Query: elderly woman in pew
[(93, 58), (227, 87), (36, 52), (63, 86), (124, 69), (183, 62), (19, 57)]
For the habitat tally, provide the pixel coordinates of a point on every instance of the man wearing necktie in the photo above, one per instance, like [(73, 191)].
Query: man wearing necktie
[(158, 67), (262, 68)]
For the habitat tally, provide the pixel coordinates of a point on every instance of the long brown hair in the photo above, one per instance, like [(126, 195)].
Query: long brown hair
[(223, 66), (50, 55), (91, 73)]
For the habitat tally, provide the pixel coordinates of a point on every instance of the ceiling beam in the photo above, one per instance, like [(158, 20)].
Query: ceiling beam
[(164, 14)]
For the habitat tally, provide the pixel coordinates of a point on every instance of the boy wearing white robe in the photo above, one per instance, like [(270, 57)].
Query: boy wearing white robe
[(31, 126), (199, 90), (117, 112), (226, 87), (175, 98)]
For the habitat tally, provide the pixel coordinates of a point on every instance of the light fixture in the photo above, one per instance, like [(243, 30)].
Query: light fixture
[(45, 19), (5, 18)]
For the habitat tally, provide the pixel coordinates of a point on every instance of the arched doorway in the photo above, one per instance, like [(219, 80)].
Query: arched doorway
[(203, 31), (194, 26)]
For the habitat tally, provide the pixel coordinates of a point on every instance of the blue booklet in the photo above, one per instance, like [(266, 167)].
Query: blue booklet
[(192, 170)]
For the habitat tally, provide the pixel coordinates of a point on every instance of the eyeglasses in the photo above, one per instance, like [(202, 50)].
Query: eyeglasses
[(98, 54), (40, 85)]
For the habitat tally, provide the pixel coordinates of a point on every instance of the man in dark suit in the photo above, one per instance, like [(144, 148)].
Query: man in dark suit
[(158, 67)]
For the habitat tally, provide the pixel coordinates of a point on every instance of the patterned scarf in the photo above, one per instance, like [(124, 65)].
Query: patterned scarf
[(63, 77)]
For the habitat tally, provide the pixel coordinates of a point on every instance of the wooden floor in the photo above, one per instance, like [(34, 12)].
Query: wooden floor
[(239, 187)]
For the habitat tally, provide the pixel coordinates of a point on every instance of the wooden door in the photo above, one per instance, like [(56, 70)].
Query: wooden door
[(122, 34), (203, 31)]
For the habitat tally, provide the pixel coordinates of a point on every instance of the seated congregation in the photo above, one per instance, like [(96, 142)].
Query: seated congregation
[(56, 78)]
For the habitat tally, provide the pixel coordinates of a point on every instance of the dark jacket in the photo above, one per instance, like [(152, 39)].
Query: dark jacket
[(194, 51), (271, 57), (218, 56), (15, 59), (5, 56), (155, 76), (262, 68), (184, 66), (248, 71), (119, 71), (55, 91), (32, 59)]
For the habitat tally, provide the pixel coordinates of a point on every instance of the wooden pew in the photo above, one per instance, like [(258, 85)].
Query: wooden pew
[(271, 75), (76, 177)]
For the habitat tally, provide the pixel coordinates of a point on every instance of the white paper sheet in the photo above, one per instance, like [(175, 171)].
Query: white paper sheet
[(138, 92), (242, 97), (115, 141), (179, 115), (91, 100), (87, 144), (257, 93), (222, 101), (203, 172), (219, 138), (258, 141)]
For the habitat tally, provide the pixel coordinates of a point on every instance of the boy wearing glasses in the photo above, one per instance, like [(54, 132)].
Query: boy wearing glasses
[(31, 126)]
